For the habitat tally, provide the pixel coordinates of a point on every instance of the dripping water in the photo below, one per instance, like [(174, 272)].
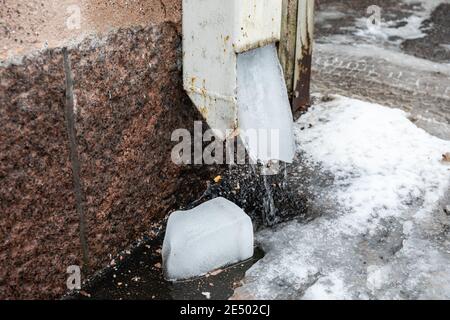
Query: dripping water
[(263, 106), (270, 211)]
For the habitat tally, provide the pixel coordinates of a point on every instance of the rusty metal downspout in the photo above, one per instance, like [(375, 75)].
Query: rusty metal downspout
[(286, 49), (303, 57)]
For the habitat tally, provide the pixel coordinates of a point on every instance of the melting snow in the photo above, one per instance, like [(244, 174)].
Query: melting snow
[(383, 233), (386, 31), (390, 30), (412, 28)]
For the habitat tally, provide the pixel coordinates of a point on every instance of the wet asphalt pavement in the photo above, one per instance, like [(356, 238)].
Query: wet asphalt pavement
[(137, 275), (336, 17), (410, 73), (435, 45)]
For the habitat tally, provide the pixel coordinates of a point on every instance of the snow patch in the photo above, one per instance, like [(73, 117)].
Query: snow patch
[(382, 160), (330, 287), (383, 233), (398, 30), (388, 30), (324, 16)]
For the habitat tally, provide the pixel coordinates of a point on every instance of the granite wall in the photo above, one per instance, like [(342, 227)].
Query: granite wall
[(128, 99), (26, 26)]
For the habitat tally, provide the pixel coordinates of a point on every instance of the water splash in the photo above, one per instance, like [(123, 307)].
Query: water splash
[(270, 211)]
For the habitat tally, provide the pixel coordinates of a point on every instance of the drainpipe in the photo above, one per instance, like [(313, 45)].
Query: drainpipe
[(215, 32), (286, 49), (232, 73), (295, 52), (303, 57)]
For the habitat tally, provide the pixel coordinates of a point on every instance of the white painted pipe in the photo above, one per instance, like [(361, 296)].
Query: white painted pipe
[(214, 32)]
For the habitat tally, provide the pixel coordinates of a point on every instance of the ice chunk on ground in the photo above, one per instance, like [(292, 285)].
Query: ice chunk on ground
[(264, 111), (215, 234), (383, 232)]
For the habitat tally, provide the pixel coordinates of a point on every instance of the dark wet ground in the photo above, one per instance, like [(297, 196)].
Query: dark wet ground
[(351, 65), (252, 191), (347, 12), (431, 46), (138, 276), (437, 30)]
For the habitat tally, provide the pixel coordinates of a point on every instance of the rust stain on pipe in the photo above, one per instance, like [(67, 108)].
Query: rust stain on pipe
[(305, 26), (301, 97), (288, 42)]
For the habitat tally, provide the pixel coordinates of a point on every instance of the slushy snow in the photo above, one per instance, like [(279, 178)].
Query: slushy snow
[(264, 112), (387, 31), (382, 233), (215, 234), (412, 28)]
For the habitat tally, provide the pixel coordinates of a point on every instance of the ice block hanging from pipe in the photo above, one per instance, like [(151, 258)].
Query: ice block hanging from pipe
[(215, 32), (263, 106)]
